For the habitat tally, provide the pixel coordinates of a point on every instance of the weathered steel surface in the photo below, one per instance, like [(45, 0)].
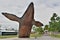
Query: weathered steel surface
[(25, 22)]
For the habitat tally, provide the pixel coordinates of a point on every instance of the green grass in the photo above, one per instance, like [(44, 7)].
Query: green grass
[(35, 35), (8, 36), (56, 35), (12, 36)]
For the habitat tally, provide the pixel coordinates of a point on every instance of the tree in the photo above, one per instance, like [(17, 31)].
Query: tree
[(54, 23), (54, 15), (46, 27), (58, 18), (53, 18), (38, 30)]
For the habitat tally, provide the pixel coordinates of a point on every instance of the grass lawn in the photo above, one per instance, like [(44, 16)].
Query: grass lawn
[(57, 35), (12, 36), (35, 35), (8, 36)]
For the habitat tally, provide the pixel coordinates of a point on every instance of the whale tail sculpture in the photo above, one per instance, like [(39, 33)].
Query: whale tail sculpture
[(25, 22)]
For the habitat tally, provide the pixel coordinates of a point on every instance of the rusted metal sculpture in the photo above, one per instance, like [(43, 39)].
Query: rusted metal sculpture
[(25, 22)]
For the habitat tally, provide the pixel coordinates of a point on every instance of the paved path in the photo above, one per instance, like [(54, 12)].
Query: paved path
[(41, 38)]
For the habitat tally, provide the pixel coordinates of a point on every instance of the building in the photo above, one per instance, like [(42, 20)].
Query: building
[(8, 32)]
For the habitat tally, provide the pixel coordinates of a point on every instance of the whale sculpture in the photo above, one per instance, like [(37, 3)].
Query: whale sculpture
[(25, 22)]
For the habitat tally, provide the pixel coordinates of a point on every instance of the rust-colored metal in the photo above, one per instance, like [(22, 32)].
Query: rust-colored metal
[(25, 22)]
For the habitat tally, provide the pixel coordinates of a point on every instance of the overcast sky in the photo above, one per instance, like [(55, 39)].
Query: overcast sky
[(43, 10)]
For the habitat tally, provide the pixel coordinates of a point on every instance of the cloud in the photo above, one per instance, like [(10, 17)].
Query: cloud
[(43, 9), (52, 3)]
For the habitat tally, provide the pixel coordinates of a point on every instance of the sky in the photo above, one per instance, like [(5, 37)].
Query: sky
[(43, 10)]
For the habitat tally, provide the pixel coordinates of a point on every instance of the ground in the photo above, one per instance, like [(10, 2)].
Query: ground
[(39, 38)]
